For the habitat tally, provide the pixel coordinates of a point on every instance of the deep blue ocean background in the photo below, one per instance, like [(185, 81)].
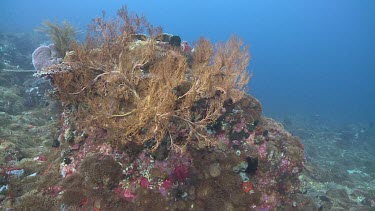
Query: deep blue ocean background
[(309, 58)]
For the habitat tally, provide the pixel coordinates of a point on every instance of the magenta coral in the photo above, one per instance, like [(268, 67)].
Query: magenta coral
[(144, 182), (262, 150), (181, 172), (124, 193), (167, 183)]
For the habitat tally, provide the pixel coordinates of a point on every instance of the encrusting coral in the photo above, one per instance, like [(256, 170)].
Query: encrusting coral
[(136, 90)]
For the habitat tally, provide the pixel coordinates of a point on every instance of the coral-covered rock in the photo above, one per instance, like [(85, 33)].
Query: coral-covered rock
[(152, 126), (11, 102), (180, 172), (100, 170), (9, 152), (250, 107)]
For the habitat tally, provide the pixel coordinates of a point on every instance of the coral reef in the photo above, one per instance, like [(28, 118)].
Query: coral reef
[(100, 171), (339, 172), (207, 147), (149, 122), (15, 51), (11, 101)]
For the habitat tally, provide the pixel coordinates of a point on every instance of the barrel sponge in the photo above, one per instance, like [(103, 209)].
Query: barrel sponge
[(45, 56)]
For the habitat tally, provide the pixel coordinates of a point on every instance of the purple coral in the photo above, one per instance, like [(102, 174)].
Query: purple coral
[(45, 56), (181, 172)]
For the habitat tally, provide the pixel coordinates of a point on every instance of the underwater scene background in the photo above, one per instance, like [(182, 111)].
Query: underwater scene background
[(302, 137)]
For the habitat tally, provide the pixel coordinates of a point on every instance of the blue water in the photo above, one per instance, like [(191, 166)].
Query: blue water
[(308, 57)]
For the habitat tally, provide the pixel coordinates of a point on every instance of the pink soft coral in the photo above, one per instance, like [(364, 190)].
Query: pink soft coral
[(181, 172)]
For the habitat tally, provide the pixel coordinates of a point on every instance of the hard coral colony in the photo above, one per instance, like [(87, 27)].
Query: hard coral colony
[(150, 124)]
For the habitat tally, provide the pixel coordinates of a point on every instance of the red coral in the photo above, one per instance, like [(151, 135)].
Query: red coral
[(167, 183), (144, 182), (247, 186), (180, 172), (124, 193), (40, 158)]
